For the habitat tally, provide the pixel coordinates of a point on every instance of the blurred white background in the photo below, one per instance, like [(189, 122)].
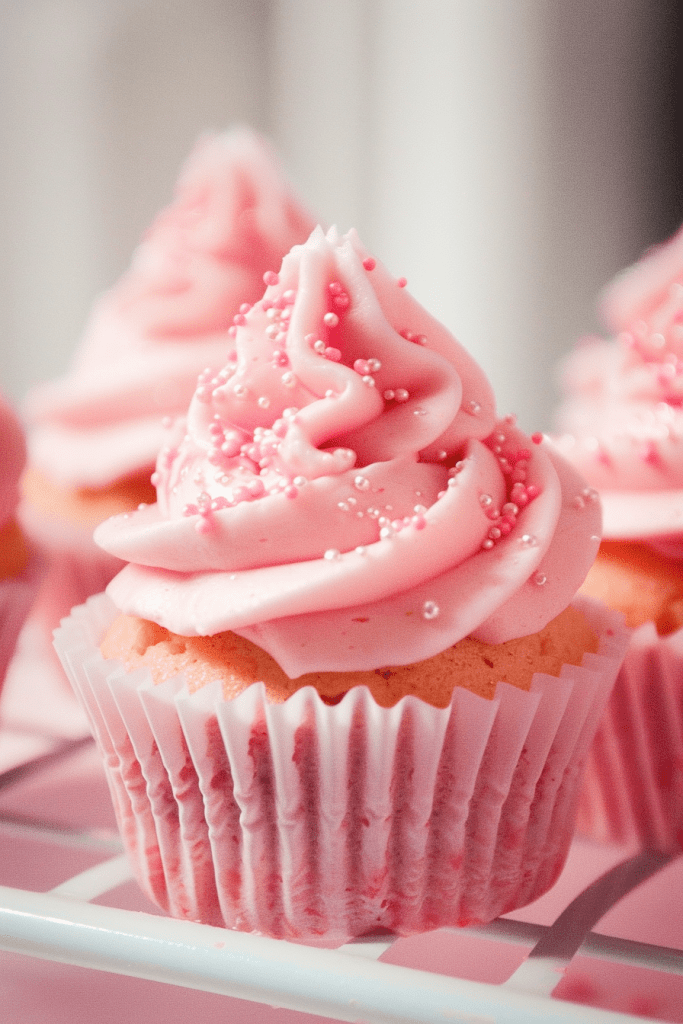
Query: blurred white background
[(506, 156)]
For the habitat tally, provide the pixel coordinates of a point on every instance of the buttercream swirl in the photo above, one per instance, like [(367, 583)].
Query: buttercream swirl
[(623, 415), (343, 493), (170, 315)]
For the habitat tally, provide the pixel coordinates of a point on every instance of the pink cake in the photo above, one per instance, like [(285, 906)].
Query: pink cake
[(20, 567), (343, 495), (624, 429), (94, 434)]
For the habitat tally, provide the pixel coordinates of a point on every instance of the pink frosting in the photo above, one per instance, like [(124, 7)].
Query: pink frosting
[(171, 314), (343, 493), (13, 447), (624, 411)]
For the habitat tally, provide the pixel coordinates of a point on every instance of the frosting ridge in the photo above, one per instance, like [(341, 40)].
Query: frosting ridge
[(343, 491)]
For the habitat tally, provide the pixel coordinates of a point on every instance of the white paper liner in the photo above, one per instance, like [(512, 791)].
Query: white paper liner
[(17, 594), (317, 823), (633, 788)]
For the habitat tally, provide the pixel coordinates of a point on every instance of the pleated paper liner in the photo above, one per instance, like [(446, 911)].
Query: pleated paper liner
[(316, 823), (17, 594), (633, 789)]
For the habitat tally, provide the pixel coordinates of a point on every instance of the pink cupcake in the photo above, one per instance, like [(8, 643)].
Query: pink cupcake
[(624, 430), (94, 434), (20, 567), (341, 685)]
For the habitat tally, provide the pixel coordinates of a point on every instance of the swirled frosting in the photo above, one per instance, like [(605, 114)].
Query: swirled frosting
[(343, 493), (623, 415), (169, 316)]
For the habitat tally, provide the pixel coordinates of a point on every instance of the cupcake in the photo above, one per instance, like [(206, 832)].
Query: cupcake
[(624, 432), (95, 433), (341, 685), (20, 567)]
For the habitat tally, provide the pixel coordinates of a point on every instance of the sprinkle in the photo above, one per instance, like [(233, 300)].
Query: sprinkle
[(430, 610), (484, 499), (319, 345), (331, 319), (263, 402), (361, 549), (270, 277), (361, 483), (374, 365), (475, 407), (332, 554), (540, 579), (389, 395), (401, 395), (537, 438), (402, 282), (527, 540), (369, 263), (368, 381)]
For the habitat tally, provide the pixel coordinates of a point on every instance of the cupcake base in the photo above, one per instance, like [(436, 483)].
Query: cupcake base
[(17, 594), (317, 823), (633, 789)]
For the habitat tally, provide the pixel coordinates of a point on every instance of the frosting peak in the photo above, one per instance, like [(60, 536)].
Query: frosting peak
[(347, 463)]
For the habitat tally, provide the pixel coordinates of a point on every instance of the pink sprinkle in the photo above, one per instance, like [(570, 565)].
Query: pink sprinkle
[(190, 510), (369, 263), (280, 358), (523, 453), (341, 302), (537, 438), (335, 288), (361, 366), (532, 491), (504, 527), (419, 522), (245, 307), (402, 282), (239, 319), (154, 479), (332, 353), (232, 332), (270, 277), (241, 494), (291, 491), (202, 525)]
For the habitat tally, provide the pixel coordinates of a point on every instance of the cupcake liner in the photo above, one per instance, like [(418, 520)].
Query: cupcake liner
[(316, 823), (633, 789), (17, 594)]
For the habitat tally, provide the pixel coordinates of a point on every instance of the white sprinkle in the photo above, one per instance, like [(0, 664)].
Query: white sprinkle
[(361, 483), (527, 540), (430, 610), (332, 554), (331, 319), (540, 579)]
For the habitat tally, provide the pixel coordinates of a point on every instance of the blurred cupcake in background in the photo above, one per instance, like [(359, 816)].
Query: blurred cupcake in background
[(21, 568), (93, 435), (623, 418)]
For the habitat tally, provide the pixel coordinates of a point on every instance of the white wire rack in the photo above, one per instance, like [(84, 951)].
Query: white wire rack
[(348, 984)]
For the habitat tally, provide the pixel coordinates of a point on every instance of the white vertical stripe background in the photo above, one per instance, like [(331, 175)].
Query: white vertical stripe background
[(498, 153)]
